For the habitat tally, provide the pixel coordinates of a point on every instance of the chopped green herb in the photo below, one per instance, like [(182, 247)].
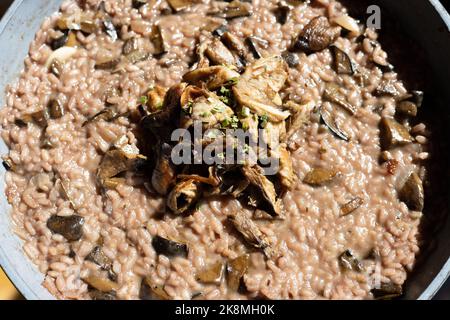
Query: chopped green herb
[(205, 114), (225, 91), (233, 81), (263, 120), (217, 109), (159, 105), (188, 108), (232, 122), (143, 100)]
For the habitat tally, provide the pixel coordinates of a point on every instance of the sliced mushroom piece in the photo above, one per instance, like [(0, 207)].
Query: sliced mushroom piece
[(317, 35), (349, 262), (213, 77), (40, 117), (332, 126), (184, 195), (255, 45), (387, 88), (206, 107), (60, 41), (393, 134), (220, 31), (56, 67), (236, 269), (300, 115), (164, 175), (100, 283), (412, 193), (180, 5), (139, 3), (62, 54), (251, 233), (351, 206), (116, 161), (342, 62), (99, 295), (291, 59), (9, 165), (406, 108), (286, 171), (169, 248), (56, 109), (320, 176), (137, 56), (258, 88), (233, 43), (157, 39), (107, 114), (149, 291), (107, 64), (231, 182), (130, 45), (155, 98), (70, 227), (218, 54), (387, 291), (282, 13), (348, 23), (235, 9), (72, 40), (88, 26), (110, 28), (211, 274), (263, 190), (98, 257), (332, 93)]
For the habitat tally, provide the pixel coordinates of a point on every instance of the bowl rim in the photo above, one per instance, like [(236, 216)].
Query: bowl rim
[(26, 290)]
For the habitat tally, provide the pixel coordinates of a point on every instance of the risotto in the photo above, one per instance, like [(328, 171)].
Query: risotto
[(104, 211)]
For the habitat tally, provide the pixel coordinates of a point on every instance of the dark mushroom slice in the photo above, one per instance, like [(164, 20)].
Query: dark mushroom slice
[(98, 257), (149, 291), (351, 206), (317, 35), (169, 248), (255, 45), (99, 295), (263, 190), (138, 3), (231, 182), (211, 274), (56, 109), (56, 67), (157, 39), (110, 28), (184, 195), (236, 269), (349, 262), (164, 175), (220, 31), (88, 26), (107, 114), (320, 176), (251, 233), (218, 54), (406, 108), (107, 64), (387, 291), (233, 43), (258, 88), (130, 45), (101, 283), (213, 77), (332, 94), (332, 126), (235, 9), (9, 165), (72, 40), (393, 134), (137, 56), (291, 59), (70, 227), (60, 41), (282, 13), (180, 5), (387, 88), (342, 63), (412, 193), (39, 117)]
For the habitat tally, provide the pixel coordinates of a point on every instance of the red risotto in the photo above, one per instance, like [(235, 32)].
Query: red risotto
[(105, 211)]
